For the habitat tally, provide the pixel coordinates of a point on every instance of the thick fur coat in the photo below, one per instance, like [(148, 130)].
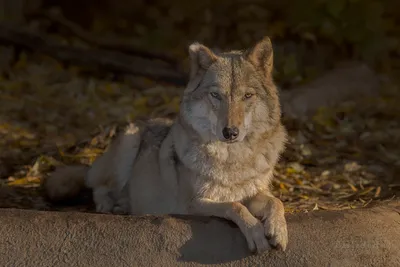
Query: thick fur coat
[(215, 159)]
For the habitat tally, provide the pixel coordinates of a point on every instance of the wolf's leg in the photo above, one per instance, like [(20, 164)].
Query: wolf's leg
[(102, 199), (110, 173), (270, 211), (121, 205), (168, 171), (127, 151), (251, 227), (125, 156), (106, 202)]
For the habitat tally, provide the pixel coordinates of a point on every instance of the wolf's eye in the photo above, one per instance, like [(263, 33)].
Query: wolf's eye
[(215, 95), (248, 95)]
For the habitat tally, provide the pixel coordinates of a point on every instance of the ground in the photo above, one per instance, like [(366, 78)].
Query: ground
[(52, 114)]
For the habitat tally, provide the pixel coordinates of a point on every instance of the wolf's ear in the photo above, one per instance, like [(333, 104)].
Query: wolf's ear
[(201, 58), (261, 56)]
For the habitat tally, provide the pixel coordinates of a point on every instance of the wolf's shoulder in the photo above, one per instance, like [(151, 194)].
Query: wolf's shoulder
[(152, 131)]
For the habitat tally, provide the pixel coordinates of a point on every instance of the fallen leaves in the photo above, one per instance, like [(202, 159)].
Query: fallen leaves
[(26, 181)]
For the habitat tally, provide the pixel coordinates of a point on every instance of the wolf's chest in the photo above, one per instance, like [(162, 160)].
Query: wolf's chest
[(230, 191), (221, 174), (231, 182), (233, 170)]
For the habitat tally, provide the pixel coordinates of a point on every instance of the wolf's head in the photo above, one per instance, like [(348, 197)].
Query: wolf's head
[(231, 95)]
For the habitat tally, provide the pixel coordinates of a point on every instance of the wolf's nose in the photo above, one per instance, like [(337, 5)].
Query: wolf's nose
[(230, 133)]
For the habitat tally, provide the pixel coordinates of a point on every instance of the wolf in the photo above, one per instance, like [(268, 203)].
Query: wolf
[(216, 158)]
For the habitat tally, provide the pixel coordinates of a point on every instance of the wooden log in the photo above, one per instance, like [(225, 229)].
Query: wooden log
[(108, 60), (14, 10), (346, 82), (108, 44)]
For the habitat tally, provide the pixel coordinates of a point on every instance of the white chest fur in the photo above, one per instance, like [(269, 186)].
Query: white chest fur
[(225, 172)]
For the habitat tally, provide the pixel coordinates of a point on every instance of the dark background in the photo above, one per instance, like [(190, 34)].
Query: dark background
[(310, 35)]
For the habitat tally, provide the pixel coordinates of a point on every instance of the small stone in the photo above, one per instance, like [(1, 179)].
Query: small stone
[(296, 166), (327, 186), (305, 150), (325, 173), (352, 167), (336, 186)]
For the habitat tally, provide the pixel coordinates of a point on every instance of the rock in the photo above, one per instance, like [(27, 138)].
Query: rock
[(346, 82), (361, 237)]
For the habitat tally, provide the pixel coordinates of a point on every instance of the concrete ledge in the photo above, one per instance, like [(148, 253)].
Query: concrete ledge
[(364, 237)]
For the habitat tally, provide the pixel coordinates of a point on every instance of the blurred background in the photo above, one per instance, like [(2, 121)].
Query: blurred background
[(73, 72)]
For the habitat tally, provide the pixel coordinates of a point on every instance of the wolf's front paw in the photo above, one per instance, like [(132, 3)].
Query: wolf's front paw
[(103, 201), (276, 231), (256, 238), (271, 212), (104, 207)]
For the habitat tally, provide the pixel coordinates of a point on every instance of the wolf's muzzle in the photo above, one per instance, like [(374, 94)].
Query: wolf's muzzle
[(230, 133)]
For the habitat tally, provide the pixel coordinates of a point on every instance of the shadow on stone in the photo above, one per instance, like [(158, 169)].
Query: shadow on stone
[(223, 242)]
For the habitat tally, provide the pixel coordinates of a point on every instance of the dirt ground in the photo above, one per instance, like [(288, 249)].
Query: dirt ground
[(52, 114)]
